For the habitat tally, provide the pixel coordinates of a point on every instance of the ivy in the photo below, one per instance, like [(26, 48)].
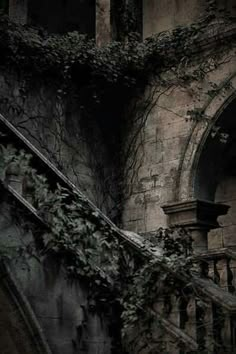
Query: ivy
[(83, 242), (89, 250), (73, 59)]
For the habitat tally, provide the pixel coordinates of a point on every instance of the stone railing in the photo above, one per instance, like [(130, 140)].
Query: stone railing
[(220, 266)]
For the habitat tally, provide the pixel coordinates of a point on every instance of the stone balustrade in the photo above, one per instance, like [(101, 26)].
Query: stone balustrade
[(221, 269)]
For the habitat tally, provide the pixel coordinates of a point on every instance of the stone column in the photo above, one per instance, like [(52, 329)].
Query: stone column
[(103, 22), (18, 11), (198, 217)]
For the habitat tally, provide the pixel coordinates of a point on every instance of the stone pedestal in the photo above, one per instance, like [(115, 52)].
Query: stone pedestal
[(198, 217)]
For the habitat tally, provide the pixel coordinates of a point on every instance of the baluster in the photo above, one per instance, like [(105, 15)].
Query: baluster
[(232, 275), (168, 307), (190, 325), (13, 177), (227, 335), (222, 271), (174, 315), (218, 325), (205, 335), (211, 270), (203, 269), (187, 306), (233, 326), (216, 273), (160, 305), (28, 189)]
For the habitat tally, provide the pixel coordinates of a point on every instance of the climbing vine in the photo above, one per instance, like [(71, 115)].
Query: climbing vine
[(90, 250), (73, 64), (73, 59), (127, 74)]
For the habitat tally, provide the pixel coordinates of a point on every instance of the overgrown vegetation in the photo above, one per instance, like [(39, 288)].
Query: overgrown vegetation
[(129, 75), (89, 249), (73, 59), (72, 64)]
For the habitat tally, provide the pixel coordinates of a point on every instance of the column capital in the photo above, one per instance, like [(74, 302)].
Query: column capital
[(195, 213)]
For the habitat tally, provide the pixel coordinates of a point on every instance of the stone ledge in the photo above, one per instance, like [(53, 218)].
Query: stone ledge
[(195, 213), (217, 254)]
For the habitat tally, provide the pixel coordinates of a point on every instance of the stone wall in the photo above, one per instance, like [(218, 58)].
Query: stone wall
[(165, 15), (76, 145), (61, 306), (169, 148), (14, 335)]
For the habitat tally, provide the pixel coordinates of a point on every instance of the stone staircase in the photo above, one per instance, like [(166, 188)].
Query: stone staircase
[(186, 324)]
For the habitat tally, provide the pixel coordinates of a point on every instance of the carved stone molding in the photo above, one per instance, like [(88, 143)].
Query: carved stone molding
[(195, 213), (198, 216)]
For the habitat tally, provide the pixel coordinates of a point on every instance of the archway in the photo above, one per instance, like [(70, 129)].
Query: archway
[(207, 161), (215, 175), (213, 110)]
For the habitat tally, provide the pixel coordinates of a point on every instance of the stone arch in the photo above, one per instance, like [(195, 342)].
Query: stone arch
[(208, 154), (19, 329), (216, 154), (215, 112)]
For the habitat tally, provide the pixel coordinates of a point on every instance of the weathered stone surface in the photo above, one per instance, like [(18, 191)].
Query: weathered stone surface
[(103, 22), (170, 171), (60, 305), (165, 15), (176, 161)]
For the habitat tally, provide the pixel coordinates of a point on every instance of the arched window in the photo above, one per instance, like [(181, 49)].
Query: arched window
[(60, 16)]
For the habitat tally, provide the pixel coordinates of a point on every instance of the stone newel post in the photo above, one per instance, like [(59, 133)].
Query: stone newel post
[(198, 216), (13, 176)]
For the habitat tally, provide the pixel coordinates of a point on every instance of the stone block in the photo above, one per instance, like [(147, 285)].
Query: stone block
[(229, 236), (215, 239)]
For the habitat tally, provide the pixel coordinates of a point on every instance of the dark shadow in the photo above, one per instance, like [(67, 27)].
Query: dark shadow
[(218, 156), (60, 16)]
